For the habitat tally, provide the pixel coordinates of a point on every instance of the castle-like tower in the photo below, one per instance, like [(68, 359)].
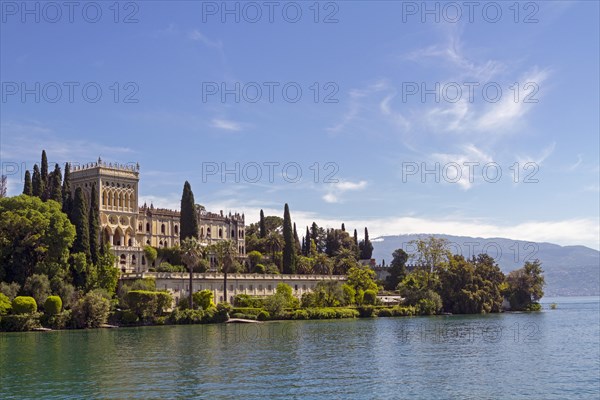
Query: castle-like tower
[(128, 228)]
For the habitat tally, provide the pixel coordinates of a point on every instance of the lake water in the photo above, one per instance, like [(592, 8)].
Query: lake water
[(554, 354)]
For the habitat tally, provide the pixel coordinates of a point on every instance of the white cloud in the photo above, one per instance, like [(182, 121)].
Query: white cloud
[(463, 176), (334, 195), (226, 124)]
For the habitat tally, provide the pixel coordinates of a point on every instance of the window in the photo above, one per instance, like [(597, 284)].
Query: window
[(260, 288), (241, 287), (143, 260), (162, 228), (251, 287), (220, 232), (295, 287), (303, 287), (232, 233), (231, 288), (147, 226), (130, 242), (176, 229), (269, 288)]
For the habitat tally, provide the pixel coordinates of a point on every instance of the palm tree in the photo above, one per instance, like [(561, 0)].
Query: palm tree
[(226, 253), (274, 242), (191, 254)]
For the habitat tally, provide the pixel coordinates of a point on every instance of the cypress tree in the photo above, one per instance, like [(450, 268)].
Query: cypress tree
[(36, 182), (262, 227), (44, 177), (80, 219), (355, 238), (187, 220), (27, 188), (307, 243), (289, 255), (67, 198), (366, 248), (343, 227), (94, 226), (296, 240), (55, 192)]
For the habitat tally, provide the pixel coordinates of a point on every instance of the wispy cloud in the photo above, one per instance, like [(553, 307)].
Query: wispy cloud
[(200, 37), (226, 124), (336, 190)]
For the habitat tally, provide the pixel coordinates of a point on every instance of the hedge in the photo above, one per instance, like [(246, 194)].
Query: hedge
[(147, 304), (24, 305), (53, 305), (5, 304), (331, 313), (20, 322)]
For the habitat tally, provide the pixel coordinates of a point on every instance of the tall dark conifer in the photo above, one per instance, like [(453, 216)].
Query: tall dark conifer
[(27, 188), (55, 191), (80, 219), (297, 240), (307, 243), (262, 226), (188, 221), (356, 238), (343, 227), (366, 247), (94, 226), (44, 177), (37, 183), (289, 254), (67, 198)]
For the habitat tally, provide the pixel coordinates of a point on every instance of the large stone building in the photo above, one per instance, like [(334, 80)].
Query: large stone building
[(128, 227)]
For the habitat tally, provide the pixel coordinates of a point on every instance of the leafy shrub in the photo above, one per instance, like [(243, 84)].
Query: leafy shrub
[(533, 307), (300, 314), (385, 312), (247, 310), (20, 322), (53, 305), (24, 305), (186, 316), (331, 313), (146, 304), (245, 300), (10, 289), (57, 321), (126, 317), (5, 304), (366, 311), (203, 299), (263, 316), (370, 297), (91, 311)]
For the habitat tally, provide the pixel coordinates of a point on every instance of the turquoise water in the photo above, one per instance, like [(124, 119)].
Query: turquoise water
[(554, 354)]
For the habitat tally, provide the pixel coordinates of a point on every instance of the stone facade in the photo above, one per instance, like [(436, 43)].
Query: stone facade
[(128, 227), (251, 284)]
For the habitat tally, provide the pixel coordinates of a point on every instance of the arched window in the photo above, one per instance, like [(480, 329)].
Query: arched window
[(176, 228), (162, 228), (220, 232), (208, 232), (143, 260), (123, 259), (133, 260), (130, 242), (148, 242), (160, 243), (147, 226), (232, 233)]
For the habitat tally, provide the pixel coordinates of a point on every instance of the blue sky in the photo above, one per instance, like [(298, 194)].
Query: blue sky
[(374, 125)]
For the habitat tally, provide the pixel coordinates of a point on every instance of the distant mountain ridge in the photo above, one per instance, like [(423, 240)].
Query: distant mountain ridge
[(569, 270)]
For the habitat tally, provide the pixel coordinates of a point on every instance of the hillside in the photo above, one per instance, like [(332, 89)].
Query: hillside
[(569, 270)]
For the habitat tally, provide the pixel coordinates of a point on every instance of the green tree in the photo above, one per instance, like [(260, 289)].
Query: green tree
[(37, 183), (431, 253), (5, 304), (53, 305), (11, 290), (366, 247), (107, 274), (304, 265), (263, 227), (397, 269), (44, 176), (24, 305), (67, 199), (191, 254), (80, 219), (150, 253), (289, 253), (254, 258), (188, 221), (38, 287), (274, 242), (306, 249), (204, 299), (297, 246), (3, 186), (525, 286), (54, 185), (32, 233), (94, 226), (27, 188), (92, 310), (226, 254)]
